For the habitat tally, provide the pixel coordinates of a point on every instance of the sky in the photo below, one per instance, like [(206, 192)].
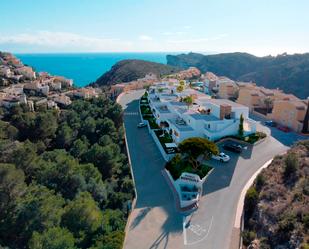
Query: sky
[(259, 27)]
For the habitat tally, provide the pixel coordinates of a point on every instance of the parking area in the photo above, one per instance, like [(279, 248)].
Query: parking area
[(155, 222)]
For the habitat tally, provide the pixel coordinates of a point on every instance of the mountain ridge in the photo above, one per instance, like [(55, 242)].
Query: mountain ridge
[(288, 72), (130, 70)]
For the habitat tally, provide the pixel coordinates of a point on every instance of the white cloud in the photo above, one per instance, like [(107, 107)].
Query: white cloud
[(62, 40), (145, 38)]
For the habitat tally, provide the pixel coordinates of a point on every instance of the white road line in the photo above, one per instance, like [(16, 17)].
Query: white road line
[(197, 241), (184, 230)]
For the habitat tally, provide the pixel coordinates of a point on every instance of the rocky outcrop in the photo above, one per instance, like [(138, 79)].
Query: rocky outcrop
[(277, 205), (130, 70)]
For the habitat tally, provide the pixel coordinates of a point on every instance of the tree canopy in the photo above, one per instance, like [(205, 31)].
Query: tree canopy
[(64, 177), (195, 147)]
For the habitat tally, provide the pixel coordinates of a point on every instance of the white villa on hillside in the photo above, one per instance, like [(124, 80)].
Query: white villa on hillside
[(206, 117)]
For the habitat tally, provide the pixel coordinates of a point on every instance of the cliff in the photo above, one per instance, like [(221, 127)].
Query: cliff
[(288, 72), (129, 70)]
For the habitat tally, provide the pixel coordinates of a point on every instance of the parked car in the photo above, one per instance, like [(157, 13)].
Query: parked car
[(141, 125), (233, 147), (270, 123), (283, 128), (222, 157)]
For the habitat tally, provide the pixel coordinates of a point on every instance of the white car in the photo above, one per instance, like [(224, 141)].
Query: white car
[(141, 125), (222, 157)]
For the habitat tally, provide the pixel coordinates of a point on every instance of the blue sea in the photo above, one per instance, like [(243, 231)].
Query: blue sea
[(83, 68)]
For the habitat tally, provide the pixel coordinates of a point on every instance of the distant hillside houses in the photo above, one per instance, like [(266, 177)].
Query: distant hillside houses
[(20, 84)]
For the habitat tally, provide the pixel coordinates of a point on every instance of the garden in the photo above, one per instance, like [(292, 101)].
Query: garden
[(192, 154), (178, 165), (151, 120), (164, 137)]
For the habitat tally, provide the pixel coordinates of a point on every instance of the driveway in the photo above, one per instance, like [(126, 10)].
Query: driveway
[(155, 223)]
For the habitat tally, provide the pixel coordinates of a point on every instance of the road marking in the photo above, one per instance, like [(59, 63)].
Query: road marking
[(131, 113), (196, 229), (184, 230)]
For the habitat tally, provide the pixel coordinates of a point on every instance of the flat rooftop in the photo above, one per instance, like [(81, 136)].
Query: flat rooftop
[(206, 117), (180, 127), (219, 102)]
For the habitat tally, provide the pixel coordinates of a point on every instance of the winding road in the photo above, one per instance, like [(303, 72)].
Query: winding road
[(155, 222)]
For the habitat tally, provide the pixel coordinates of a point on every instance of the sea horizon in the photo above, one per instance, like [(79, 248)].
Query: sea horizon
[(84, 67)]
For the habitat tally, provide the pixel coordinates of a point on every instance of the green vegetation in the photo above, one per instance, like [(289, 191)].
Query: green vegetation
[(291, 165), (64, 177), (130, 70), (193, 148), (152, 121), (180, 88), (252, 138), (188, 100), (178, 165), (247, 237), (241, 126), (145, 109), (164, 137), (192, 151)]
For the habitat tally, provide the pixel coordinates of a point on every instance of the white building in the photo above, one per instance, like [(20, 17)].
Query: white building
[(206, 117)]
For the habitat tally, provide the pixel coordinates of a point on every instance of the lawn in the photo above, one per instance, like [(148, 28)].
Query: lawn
[(177, 166)]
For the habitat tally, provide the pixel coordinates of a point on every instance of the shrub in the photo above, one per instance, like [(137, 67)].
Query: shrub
[(287, 224), (291, 165), (250, 202), (177, 165), (304, 246), (260, 181), (248, 237), (305, 221)]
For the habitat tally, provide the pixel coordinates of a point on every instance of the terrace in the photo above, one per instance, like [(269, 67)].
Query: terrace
[(179, 123)]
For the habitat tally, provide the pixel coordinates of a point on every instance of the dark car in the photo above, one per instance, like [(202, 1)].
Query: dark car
[(284, 128), (270, 123), (233, 148)]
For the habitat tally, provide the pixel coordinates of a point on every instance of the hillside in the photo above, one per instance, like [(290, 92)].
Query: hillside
[(277, 205), (129, 70), (288, 72)]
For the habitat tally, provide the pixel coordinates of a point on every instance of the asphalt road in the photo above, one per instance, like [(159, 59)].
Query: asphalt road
[(155, 223)]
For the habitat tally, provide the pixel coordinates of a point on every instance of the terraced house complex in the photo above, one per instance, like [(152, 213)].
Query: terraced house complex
[(186, 112)]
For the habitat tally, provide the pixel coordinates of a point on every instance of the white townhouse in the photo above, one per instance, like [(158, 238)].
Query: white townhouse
[(206, 117)]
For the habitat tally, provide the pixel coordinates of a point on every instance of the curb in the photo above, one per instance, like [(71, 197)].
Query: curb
[(239, 217)]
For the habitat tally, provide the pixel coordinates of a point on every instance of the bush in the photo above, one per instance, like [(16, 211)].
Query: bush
[(145, 109), (251, 199), (248, 237), (291, 165), (305, 221), (178, 165), (287, 224), (304, 246), (260, 181)]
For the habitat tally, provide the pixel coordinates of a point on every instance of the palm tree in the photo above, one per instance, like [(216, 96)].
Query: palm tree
[(188, 100), (268, 103)]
